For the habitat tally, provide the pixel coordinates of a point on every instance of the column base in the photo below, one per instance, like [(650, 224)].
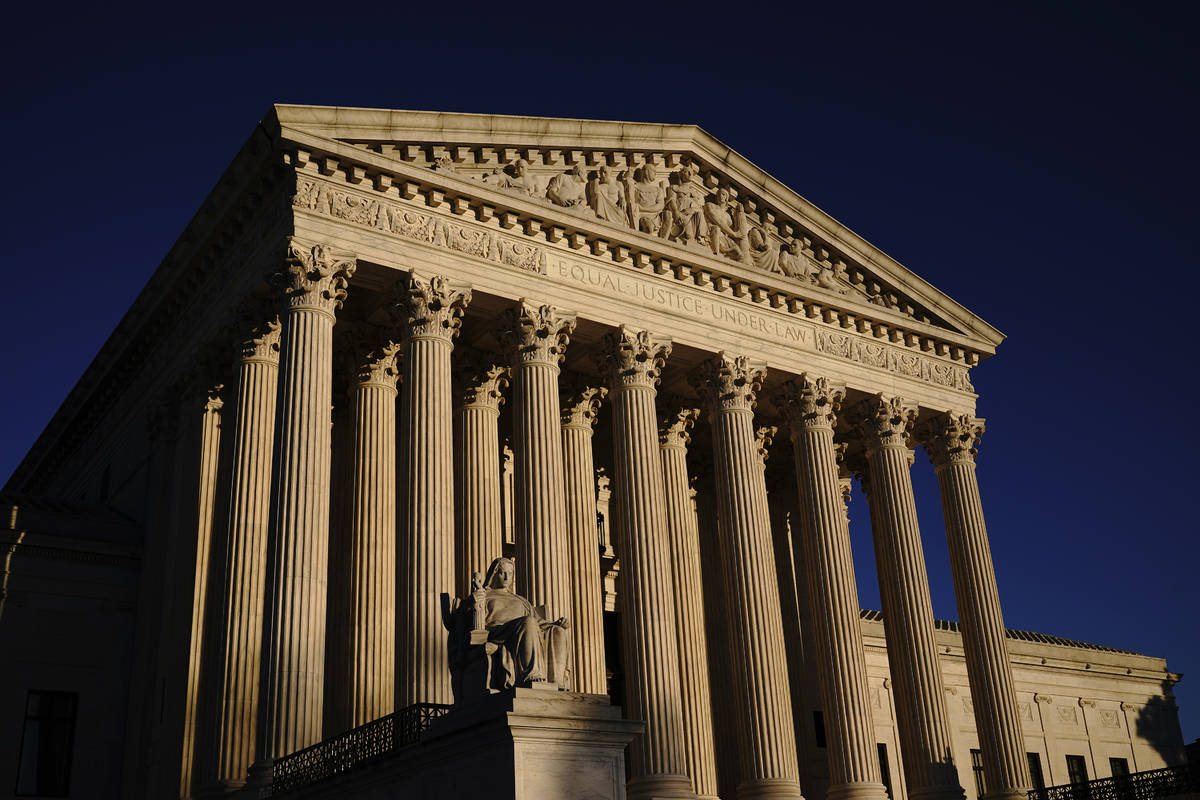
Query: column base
[(862, 790), (660, 787), (260, 774), (773, 789), (1006, 794), (954, 792)]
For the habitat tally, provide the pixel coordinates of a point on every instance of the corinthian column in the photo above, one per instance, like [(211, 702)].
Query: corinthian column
[(580, 403), (921, 716), (951, 441), (535, 338), (313, 286), (371, 624), (481, 386), (631, 362), (425, 568), (238, 639), (674, 435), (728, 385), (810, 405)]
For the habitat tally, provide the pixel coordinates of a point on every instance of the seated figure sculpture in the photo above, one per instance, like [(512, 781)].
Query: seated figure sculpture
[(498, 640)]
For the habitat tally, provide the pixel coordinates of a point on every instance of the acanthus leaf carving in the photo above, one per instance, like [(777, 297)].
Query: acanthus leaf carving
[(809, 401), (580, 402), (433, 307), (764, 437), (728, 382), (480, 381), (630, 357), (375, 353), (675, 422), (315, 276), (885, 421), (952, 438), (537, 334)]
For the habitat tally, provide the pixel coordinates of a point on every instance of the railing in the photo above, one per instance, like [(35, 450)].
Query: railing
[(1149, 785), (344, 752)]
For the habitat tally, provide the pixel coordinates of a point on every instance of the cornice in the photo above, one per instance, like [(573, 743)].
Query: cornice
[(449, 211), (770, 195)]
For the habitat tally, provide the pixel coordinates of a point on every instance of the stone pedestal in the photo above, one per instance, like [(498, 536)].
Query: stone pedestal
[(523, 744)]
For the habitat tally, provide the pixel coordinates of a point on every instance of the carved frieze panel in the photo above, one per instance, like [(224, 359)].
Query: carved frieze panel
[(453, 233)]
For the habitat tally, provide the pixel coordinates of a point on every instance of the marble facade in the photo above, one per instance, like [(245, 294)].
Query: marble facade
[(319, 385)]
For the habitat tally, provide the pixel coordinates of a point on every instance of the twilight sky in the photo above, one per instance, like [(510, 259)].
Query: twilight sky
[(1037, 164)]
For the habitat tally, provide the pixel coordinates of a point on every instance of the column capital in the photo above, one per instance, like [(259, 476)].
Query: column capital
[(951, 438), (885, 422), (809, 402), (536, 334), (580, 403), (479, 382), (257, 334), (675, 423), (376, 357), (431, 307), (729, 383), (631, 357), (315, 276)]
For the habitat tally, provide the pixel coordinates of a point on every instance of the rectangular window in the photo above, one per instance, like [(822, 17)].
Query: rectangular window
[(884, 771), (1035, 771), (44, 765), (1119, 767), (977, 770), (1077, 769), (819, 728)]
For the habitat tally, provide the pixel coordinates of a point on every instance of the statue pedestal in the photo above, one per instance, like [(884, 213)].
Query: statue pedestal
[(531, 744), (523, 744)]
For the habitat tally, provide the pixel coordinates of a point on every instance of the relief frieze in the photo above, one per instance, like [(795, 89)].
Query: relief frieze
[(446, 233)]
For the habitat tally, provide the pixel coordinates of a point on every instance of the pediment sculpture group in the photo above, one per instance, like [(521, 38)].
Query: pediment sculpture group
[(676, 208), (498, 640)]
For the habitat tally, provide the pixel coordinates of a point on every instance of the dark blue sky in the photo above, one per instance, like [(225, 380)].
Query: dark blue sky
[(1037, 164)]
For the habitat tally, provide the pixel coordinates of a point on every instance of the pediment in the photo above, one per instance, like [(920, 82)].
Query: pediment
[(659, 186)]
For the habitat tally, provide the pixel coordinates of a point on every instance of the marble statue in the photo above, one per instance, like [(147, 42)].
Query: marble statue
[(515, 176), (684, 221), (498, 640), (569, 189), (606, 197), (646, 199), (727, 226)]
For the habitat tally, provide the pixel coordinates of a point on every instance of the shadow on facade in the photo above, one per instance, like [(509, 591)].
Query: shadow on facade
[(1157, 724)]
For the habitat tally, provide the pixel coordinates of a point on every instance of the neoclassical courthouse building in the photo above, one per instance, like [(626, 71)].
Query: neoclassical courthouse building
[(394, 345)]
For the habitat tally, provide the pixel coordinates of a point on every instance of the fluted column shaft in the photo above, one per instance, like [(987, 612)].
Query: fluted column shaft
[(536, 338), (728, 385), (480, 535), (579, 407), (425, 567), (811, 406), (951, 441), (370, 677), (631, 362), (687, 589), (206, 498), (238, 643), (292, 702), (921, 716)]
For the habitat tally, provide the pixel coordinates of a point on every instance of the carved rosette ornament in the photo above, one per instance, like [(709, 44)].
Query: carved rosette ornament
[(432, 307), (479, 383), (675, 424), (952, 438), (885, 422), (315, 276), (729, 383), (810, 402), (633, 358), (537, 334), (581, 404)]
